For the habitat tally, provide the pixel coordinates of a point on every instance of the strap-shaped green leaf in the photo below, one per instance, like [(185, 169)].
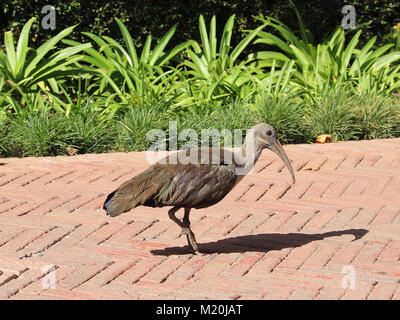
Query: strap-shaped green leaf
[(10, 49), (22, 47), (45, 48), (159, 48), (129, 43)]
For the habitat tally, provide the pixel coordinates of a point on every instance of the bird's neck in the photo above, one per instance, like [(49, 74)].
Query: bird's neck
[(251, 150)]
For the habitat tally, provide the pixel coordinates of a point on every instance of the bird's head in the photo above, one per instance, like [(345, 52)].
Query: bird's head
[(265, 135)]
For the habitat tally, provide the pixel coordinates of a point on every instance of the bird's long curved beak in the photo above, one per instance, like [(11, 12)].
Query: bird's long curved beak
[(278, 149)]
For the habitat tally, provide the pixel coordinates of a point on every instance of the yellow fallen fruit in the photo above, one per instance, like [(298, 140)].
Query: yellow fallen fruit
[(324, 138), (71, 151)]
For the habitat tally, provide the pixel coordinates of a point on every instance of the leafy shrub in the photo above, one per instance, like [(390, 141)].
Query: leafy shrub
[(88, 132), (379, 116), (38, 134), (286, 114), (132, 128), (333, 112)]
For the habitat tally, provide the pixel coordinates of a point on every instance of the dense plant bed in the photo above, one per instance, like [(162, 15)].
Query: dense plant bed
[(102, 95), (338, 112)]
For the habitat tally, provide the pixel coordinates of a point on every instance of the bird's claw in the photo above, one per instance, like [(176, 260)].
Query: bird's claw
[(191, 240)]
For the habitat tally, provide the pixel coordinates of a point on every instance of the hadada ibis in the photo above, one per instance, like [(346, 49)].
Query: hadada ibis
[(189, 184)]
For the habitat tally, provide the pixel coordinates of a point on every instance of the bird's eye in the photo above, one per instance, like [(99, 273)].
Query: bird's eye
[(269, 133)]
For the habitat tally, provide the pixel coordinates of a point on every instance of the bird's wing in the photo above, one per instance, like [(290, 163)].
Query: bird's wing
[(137, 190), (203, 181), (199, 185), (172, 183)]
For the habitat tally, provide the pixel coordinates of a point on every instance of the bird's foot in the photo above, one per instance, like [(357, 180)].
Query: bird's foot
[(191, 240)]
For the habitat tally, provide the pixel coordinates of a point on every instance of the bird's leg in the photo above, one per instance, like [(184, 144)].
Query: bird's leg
[(171, 214), (185, 225), (189, 233)]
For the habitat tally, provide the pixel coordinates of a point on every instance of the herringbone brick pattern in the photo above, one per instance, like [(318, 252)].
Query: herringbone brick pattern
[(265, 240)]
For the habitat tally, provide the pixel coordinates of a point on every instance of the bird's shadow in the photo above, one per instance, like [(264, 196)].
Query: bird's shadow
[(260, 242)]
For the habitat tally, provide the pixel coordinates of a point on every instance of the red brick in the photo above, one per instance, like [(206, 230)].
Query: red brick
[(344, 256), (296, 257), (162, 271), (204, 225), (12, 287), (396, 295), (107, 275), (45, 241), (336, 189), (37, 287), (22, 240), (254, 193), (387, 215), (138, 270), (320, 257), (316, 190), (278, 242), (81, 276), (157, 228), (224, 227), (75, 237), (303, 294), (370, 252), (129, 231), (382, 291), (320, 219), (218, 265), (277, 293), (342, 218), (103, 233), (329, 293), (361, 291), (357, 187), (297, 221), (363, 218), (350, 162), (274, 222), (391, 252), (241, 266), (267, 263)]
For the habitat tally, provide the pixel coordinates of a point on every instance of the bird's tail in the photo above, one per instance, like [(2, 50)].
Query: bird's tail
[(107, 207), (135, 192)]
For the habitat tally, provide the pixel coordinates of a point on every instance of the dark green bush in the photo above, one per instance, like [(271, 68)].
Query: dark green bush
[(286, 114), (38, 134), (88, 132), (156, 17)]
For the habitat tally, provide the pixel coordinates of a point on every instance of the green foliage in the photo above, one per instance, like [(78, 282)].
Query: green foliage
[(286, 114), (133, 127), (333, 112), (332, 63), (87, 132), (41, 134), (26, 70), (123, 73), (213, 70), (379, 116), (103, 93), (156, 17)]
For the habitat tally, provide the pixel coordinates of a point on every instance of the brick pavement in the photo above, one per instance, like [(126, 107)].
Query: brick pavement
[(335, 234)]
